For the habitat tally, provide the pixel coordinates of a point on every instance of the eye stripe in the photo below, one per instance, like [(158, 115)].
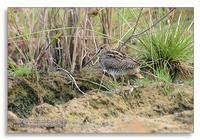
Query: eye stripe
[(118, 53)]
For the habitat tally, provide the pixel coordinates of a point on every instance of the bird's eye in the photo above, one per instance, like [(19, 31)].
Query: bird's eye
[(101, 47)]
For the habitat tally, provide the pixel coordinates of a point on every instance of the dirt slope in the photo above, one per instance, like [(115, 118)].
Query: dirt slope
[(145, 110)]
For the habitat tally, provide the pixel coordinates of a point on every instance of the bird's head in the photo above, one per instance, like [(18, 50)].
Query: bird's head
[(104, 47), (139, 75), (136, 70)]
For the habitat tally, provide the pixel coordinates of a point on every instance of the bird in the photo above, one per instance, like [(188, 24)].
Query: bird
[(117, 63)]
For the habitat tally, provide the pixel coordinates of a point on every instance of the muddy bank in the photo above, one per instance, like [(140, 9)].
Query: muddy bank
[(54, 88), (144, 110)]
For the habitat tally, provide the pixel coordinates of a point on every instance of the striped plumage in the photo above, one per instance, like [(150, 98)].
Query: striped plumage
[(117, 63)]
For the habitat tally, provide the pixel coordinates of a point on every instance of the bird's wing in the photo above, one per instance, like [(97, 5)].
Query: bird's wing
[(112, 63)]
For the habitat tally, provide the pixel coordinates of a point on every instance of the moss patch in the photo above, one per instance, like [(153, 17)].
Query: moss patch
[(21, 98), (24, 93)]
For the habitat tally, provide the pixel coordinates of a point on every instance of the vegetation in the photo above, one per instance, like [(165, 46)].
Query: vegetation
[(54, 45), (169, 49)]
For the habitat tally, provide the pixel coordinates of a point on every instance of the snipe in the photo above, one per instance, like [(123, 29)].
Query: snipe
[(117, 63)]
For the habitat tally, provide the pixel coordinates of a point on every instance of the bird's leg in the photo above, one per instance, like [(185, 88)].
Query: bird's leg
[(114, 78), (101, 80), (122, 78)]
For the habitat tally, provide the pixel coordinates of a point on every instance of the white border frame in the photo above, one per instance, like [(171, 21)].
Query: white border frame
[(98, 3)]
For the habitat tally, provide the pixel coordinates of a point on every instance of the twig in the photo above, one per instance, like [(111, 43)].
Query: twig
[(92, 82), (92, 58), (70, 82), (136, 24), (154, 24), (72, 78)]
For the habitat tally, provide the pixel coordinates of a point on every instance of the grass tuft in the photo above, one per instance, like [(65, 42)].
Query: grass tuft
[(23, 70), (169, 48)]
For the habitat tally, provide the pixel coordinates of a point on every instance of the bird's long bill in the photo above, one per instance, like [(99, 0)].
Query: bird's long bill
[(139, 75)]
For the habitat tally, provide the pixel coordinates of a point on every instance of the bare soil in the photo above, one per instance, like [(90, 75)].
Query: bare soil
[(155, 108)]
